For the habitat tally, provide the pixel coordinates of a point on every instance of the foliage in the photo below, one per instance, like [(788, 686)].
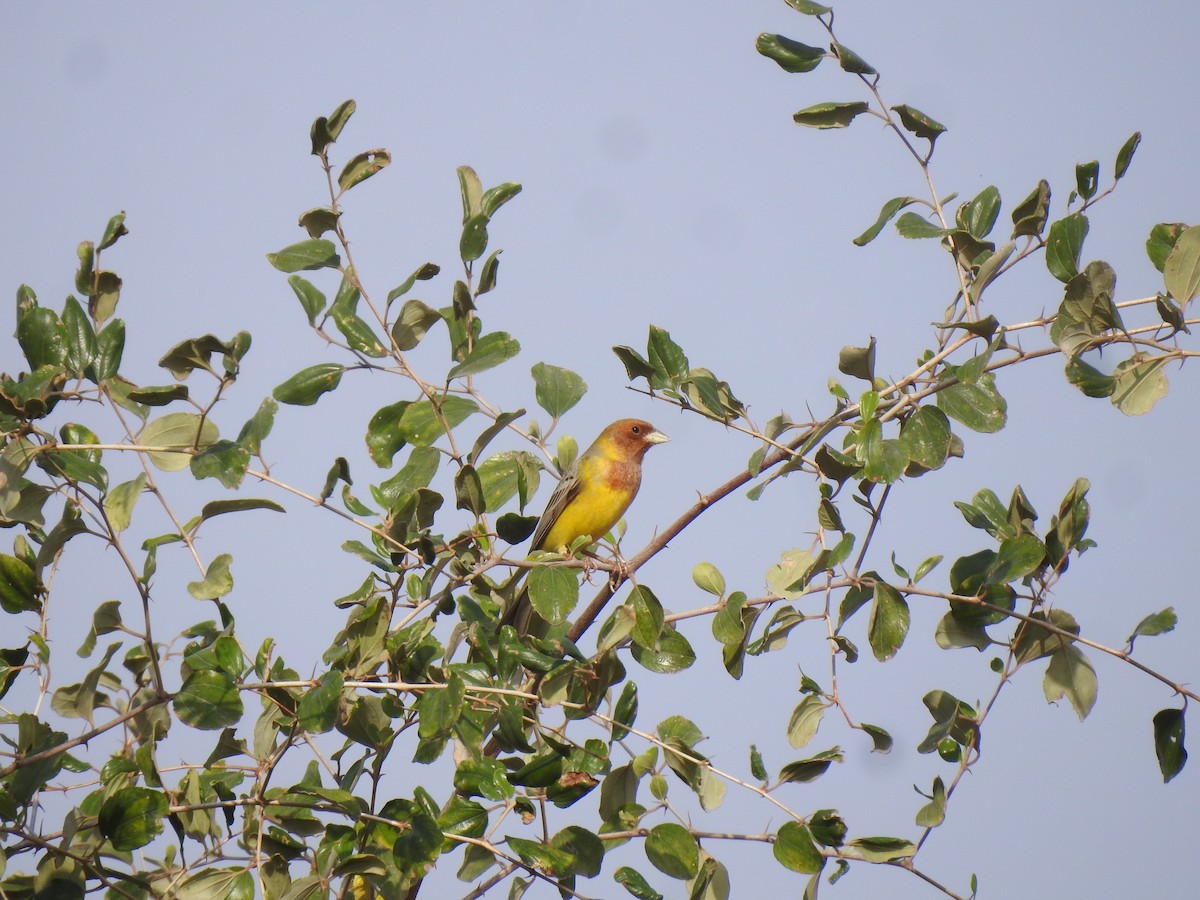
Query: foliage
[(526, 727)]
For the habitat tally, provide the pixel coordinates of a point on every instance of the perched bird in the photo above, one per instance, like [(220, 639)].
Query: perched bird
[(590, 499)]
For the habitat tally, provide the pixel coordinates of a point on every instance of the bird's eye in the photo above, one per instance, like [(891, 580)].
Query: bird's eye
[(637, 429)]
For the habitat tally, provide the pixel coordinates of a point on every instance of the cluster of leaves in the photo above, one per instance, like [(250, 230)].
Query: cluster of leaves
[(538, 724)]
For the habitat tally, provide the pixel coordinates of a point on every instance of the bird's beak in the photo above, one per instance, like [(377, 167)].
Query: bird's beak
[(656, 437)]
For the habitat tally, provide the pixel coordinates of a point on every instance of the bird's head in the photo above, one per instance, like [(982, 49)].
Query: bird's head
[(633, 437)]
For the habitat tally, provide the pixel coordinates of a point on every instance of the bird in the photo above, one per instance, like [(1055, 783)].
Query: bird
[(590, 499)]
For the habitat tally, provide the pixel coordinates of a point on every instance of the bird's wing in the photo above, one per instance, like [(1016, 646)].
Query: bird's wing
[(564, 492)]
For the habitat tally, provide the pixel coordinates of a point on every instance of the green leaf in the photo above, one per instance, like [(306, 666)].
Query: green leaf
[(918, 123), (495, 197), (488, 274), (422, 426), (805, 720), (667, 357), (791, 56), (102, 300), (884, 460), (315, 253), (635, 364), (584, 846), (485, 778), (1139, 383), (119, 503), (1018, 556), (858, 362), (439, 710), (889, 210), (1087, 179), (325, 131), (1091, 381), (709, 579), (218, 581), (808, 7), (806, 770), (795, 850), (359, 335), (105, 620), (362, 166), (501, 422), (883, 849), (225, 461), (1181, 272), (306, 386), (413, 323), (952, 633), (1155, 623), (185, 431), (673, 851), (215, 508), (1070, 674), (471, 190), (110, 345), (881, 740), (674, 653), (632, 881), (913, 225), (474, 238), (114, 230), (1125, 155), (319, 707), (132, 817), (828, 516), (1168, 742), (978, 216), (311, 299), (625, 712), (1029, 218), (463, 818), (79, 337), (1064, 244), (557, 390), (258, 426), (489, 351), (77, 465), (933, 813), (384, 436), (468, 491), (19, 588), (425, 273), (830, 115), (979, 406), (40, 334), (158, 395), (926, 438), (318, 221), (1162, 241), (416, 848), (888, 625), (648, 615), (1171, 313), (85, 275), (557, 863), (554, 592), (502, 475), (209, 700), (850, 61)]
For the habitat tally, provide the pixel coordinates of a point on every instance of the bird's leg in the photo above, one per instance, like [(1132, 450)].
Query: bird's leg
[(591, 562), (618, 571)]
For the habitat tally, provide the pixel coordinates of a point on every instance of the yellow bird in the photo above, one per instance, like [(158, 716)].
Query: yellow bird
[(590, 499)]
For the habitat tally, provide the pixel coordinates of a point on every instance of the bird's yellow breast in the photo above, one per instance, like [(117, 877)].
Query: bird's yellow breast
[(597, 506)]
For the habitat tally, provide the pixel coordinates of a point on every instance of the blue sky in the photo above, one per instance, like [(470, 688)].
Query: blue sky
[(665, 183)]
